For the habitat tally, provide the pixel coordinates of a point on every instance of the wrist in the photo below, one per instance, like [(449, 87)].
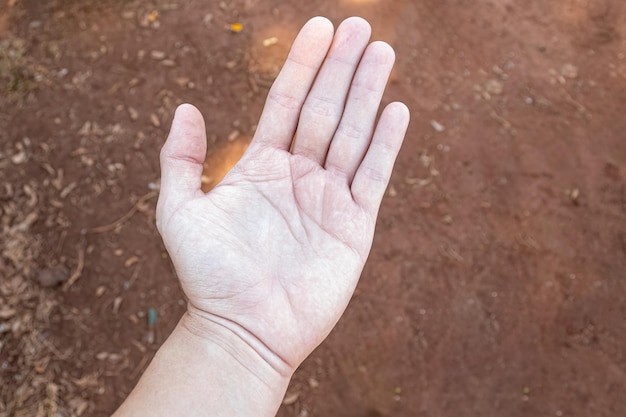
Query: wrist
[(203, 369), (238, 343)]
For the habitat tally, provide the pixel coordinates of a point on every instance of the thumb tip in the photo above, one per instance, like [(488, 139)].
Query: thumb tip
[(187, 111), (188, 120), (187, 137)]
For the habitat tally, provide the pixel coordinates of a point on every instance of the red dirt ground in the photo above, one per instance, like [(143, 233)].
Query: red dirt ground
[(497, 278)]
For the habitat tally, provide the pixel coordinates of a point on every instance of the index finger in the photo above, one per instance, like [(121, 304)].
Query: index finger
[(286, 97)]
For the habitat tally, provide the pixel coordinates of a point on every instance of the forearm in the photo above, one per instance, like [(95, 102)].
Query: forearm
[(194, 375)]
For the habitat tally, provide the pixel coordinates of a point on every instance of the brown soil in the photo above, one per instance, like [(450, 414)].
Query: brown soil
[(497, 278)]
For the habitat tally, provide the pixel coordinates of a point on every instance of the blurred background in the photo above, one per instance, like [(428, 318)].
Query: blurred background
[(498, 273)]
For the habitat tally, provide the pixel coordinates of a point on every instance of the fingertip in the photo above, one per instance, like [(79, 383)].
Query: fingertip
[(399, 112), (320, 25), (186, 107), (382, 53), (359, 23), (187, 120), (188, 113), (319, 21), (312, 42), (354, 30)]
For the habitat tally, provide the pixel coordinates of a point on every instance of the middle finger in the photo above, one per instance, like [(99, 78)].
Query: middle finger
[(325, 103)]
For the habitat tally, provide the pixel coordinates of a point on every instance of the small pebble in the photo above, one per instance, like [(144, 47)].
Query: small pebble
[(133, 114), (155, 120), (569, 71), (437, 126), (51, 277), (270, 41), (494, 87), (158, 55)]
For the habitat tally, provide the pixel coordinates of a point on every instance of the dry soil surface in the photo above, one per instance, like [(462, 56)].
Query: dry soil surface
[(498, 273)]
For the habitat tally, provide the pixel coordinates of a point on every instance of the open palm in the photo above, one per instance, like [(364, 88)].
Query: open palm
[(274, 252)]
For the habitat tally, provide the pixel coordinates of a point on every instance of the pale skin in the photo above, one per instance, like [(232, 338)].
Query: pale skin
[(271, 256)]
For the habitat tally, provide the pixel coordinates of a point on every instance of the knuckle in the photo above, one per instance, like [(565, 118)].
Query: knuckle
[(374, 175), (284, 100), (351, 130), (321, 107)]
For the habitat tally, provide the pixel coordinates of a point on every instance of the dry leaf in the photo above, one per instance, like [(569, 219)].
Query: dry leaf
[(236, 27), (153, 16)]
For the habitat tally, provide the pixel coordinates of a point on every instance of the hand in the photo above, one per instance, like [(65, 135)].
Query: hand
[(271, 256)]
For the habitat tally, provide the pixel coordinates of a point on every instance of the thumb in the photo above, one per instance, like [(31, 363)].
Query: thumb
[(182, 158)]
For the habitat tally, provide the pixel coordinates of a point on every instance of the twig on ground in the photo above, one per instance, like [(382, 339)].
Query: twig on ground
[(79, 269), (140, 367), (505, 123), (133, 277), (125, 217)]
